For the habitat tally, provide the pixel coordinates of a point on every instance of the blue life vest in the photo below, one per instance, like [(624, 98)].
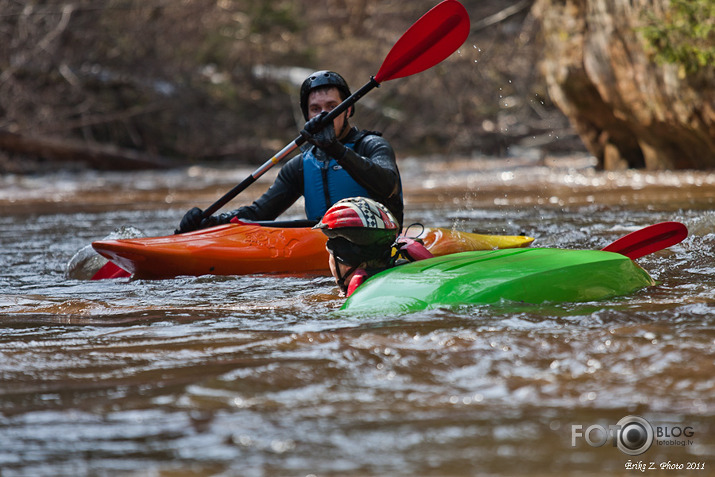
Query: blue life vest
[(325, 183)]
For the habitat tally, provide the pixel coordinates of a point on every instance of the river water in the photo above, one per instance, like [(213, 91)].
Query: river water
[(257, 376)]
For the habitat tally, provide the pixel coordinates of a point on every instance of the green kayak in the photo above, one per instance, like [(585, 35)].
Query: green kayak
[(527, 275)]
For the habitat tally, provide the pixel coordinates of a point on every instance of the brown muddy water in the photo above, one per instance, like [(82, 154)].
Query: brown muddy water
[(258, 376)]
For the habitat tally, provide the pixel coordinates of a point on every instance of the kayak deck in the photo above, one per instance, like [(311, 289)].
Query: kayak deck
[(230, 249), (240, 249), (528, 275)]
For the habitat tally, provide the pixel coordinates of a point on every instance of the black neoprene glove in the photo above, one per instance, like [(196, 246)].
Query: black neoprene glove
[(323, 138), (193, 220)]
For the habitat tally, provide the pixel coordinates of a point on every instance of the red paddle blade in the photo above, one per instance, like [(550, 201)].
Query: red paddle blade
[(435, 36), (110, 270), (649, 239)]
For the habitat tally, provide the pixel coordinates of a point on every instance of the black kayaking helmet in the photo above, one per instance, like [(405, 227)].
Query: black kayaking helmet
[(320, 79)]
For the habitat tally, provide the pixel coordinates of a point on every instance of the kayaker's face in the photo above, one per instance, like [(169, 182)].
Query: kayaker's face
[(326, 100), (334, 264)]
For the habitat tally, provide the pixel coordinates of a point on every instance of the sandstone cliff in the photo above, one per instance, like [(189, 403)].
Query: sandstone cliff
[(629, 109)]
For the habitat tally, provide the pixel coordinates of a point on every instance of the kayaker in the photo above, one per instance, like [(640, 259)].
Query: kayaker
[(336, 162), (363, 240)]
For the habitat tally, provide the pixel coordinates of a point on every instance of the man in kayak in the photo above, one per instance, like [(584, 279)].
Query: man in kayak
[(336, 162), (363, 240)]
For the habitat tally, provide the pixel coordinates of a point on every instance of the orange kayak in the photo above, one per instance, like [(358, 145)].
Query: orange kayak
[(241, 249)]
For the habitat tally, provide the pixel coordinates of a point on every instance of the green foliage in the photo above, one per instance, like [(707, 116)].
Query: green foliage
[(685, 36)]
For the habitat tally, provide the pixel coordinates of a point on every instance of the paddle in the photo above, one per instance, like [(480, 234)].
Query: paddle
[(431, 39), (649, 239), (110, 270)]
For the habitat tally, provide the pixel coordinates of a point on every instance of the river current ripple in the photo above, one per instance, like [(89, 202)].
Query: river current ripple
[(258, 376)]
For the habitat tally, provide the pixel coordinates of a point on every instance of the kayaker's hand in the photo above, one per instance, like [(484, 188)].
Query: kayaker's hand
[(324, 138), (191, 221)]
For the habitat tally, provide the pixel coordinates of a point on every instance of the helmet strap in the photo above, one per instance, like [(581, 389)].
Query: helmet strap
[(339, 135), (341, 278)]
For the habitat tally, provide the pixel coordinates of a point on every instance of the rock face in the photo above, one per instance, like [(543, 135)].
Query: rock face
[(629, 110)]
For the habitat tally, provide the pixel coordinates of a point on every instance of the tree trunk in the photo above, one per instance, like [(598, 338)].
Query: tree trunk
[(97, 155)]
